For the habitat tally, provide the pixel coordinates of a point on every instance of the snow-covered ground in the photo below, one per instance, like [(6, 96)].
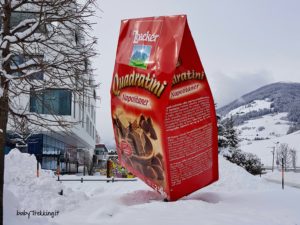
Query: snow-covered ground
[(290, 178), (237, 198), (268, 126), (256, 105), (263, 148)]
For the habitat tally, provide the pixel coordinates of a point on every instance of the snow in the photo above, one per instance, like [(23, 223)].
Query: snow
[(6, 58), (23, 23), (290, 177), (268, 126), (263, 148), (28, 63), (3, 44), (256, 105), (237, 198), (34, 193), (19, 35)]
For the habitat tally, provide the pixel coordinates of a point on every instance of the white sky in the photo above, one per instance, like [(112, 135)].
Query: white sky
[(243, 45)]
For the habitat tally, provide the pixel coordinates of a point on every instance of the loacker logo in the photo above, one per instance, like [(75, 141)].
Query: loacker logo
[(144, 37)]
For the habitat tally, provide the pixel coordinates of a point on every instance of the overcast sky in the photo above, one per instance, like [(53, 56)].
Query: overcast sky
[(243, 45)]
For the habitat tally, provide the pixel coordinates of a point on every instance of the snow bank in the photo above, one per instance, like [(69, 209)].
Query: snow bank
[(237, 198), (28, 192), (20, 178), (236, 178), (12, 206)]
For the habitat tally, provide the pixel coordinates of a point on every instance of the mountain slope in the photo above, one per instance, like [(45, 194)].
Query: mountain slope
[(263, 119), (282, 95)]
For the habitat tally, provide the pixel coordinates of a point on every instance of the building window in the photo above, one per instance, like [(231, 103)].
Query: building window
[(74, 106), (17, 60), (52, 146), (18, 17), (51, 101)]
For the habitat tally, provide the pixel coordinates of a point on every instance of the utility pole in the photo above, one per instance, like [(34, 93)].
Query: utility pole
[(273, 156), (282, 169), (273, 152)]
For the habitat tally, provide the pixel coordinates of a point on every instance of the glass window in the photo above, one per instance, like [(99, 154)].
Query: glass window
[(17, 60), (52, 101), (18, 17), (53, 146), (74, 107)]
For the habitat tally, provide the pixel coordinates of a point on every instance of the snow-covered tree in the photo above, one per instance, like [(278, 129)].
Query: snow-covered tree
[(231, 133), (222, 140), (20, 132), (248, 161), (227, 134), (294, 158), (286, 156), (44, 44), (294, 113)]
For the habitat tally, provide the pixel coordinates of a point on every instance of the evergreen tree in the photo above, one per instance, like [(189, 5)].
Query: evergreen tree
[(230, 133), (222, 140)]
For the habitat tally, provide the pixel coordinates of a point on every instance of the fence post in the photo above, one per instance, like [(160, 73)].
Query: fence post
[(58, 165), (37, 168)]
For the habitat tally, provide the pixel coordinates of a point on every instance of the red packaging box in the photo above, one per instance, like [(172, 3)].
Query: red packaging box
[(162, 108)]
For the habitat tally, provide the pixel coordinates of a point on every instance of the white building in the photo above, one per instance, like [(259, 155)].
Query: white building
[(60, 101)]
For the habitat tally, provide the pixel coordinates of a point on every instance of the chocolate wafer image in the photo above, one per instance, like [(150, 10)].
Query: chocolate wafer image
[(139, 133)]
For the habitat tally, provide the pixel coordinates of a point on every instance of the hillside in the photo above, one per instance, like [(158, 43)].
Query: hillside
[(282, 96), (263, 119)]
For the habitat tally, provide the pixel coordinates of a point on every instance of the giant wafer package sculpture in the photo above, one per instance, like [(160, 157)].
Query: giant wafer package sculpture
[(162, 108)]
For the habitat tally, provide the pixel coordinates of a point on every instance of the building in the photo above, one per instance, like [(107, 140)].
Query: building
[(56, 145), (101, 153)]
